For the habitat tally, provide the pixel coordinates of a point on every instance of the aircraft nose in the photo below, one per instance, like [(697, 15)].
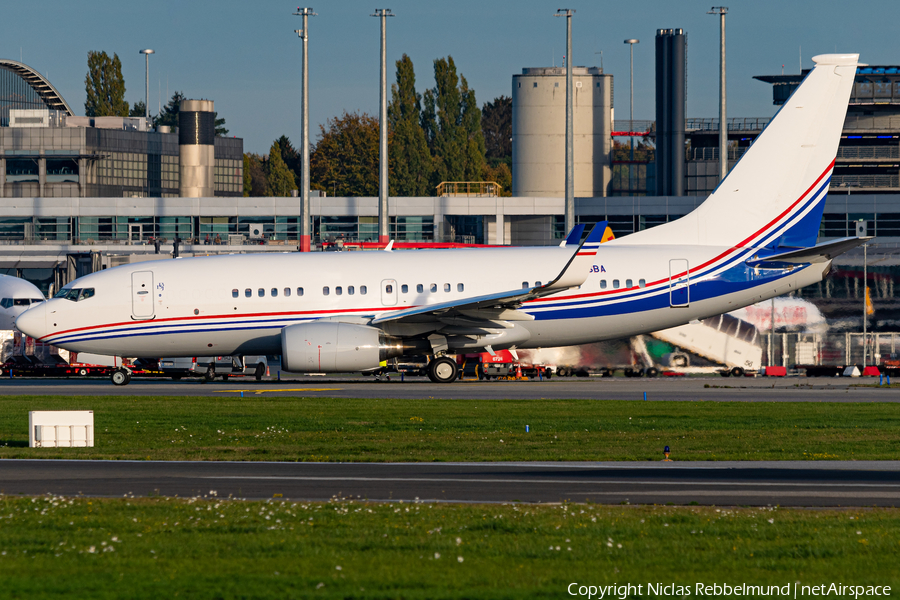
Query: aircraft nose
[(33, 322)]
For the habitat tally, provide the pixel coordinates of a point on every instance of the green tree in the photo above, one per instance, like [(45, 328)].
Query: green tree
[(104, 86), (279, 178), (345, 159), (169, 115), (138, 109), (451, 120), (410, 159), (496, 125), (255, 183), (248, 182), (290, 156)]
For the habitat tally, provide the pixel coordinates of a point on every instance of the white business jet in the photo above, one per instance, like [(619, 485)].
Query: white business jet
[(753, 238)]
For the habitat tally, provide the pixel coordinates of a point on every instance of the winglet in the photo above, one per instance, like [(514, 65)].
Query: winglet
[(389, 247), (579, 266), (574, 236)]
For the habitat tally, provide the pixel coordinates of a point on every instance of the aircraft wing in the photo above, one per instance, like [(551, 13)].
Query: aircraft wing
[(504, 305), (814, 254)]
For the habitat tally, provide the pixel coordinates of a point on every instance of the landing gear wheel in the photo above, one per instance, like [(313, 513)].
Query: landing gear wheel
[(260, 371), (120, 377), (737, 372), (443, 370), (210, 373), (652, 372)]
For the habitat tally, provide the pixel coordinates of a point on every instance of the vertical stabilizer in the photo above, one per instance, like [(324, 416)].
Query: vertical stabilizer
[(782, 178)]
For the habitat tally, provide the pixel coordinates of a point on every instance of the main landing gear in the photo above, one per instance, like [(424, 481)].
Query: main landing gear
[(120, 377), (442, 370)]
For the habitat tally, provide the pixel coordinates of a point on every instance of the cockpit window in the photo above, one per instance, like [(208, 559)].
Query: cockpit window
[(75, 294), (6, 302)]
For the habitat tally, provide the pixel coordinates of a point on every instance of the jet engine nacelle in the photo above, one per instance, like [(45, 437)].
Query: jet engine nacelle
[(331, 347)]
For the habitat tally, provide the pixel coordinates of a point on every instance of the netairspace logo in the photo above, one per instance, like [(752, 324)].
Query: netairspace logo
[(718, 590)]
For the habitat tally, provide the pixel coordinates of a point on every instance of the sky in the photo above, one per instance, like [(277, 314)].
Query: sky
[(246, 57)]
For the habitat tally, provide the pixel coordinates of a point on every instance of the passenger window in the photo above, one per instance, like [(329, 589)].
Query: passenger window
[(326, 290), (234, 293), (446, 287), (524, 285), (642, 283), (389, 288), (86, 293), (351, 290), (460, 287), (433, 288), (338, 290), (299, 291), (628, 283), (287, 292), (615, 284), (274, 292), (261, 293), (404, 288), (602, 284), (248, 293), (420, 288), (363, 289)]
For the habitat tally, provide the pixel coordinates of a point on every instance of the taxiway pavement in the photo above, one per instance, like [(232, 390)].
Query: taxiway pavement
[(826, 483)]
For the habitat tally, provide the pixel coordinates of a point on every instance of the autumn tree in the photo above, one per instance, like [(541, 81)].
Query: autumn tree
[(410, 158), (104, 86), (279, 178), (345, 159)]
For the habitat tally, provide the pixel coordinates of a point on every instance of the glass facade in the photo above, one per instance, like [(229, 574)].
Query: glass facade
[(94, 162)]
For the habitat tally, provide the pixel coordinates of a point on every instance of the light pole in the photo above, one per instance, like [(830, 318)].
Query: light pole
[(147, 52), (304, 245), (723, 126), (570, 158), (631, 42), (383, 227)]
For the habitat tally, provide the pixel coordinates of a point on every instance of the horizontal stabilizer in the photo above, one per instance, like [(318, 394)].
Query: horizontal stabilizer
[(814, 254)]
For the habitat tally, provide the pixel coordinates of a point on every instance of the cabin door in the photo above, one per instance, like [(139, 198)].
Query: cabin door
[(679, 283), (142, 294), (389, 292)]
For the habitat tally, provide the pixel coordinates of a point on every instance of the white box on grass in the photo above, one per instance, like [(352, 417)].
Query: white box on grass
[(61, 429)]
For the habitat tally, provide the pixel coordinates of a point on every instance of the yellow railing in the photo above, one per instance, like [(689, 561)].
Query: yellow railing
[(469, 189)]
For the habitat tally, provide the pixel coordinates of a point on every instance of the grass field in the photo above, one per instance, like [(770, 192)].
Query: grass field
[(329, 429), (218, 548)]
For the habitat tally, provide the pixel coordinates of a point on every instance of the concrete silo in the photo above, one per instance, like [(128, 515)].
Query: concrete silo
[(539, 131), (196, 148)]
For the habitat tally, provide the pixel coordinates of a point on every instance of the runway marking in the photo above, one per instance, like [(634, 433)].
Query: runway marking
[(747, 493), (553, 481), (257, 392)]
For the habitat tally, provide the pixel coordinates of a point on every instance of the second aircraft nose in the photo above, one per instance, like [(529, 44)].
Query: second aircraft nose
[(33, 322)]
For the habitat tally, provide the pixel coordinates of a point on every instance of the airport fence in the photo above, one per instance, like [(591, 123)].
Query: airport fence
[(829, 349)]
